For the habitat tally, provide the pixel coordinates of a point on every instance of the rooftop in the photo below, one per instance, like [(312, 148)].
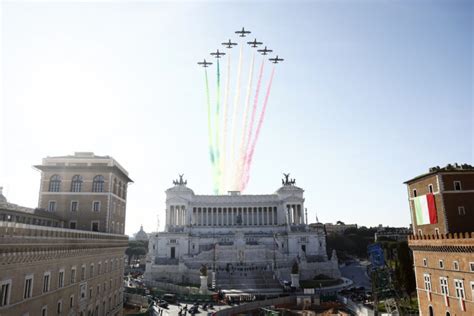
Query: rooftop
[(448, 168)]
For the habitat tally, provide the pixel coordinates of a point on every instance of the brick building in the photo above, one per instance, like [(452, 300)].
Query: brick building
[(442, 211), (50, 267)]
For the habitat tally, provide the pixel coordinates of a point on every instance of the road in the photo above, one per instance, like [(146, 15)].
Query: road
[(173, 310), (357, 272)]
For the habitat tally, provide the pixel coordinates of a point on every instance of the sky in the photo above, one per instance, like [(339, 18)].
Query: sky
[(371, 94)]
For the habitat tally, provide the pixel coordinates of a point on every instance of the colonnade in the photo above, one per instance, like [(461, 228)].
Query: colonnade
[(234, 216), (176, 215), (295, 214)]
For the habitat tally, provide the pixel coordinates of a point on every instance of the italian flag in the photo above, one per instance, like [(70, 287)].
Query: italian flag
[(425, 209)]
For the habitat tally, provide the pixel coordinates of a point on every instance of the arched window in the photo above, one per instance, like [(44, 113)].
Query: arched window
[(54, 183), (76, 184), (98, 184), (448, 314), (430, 311)]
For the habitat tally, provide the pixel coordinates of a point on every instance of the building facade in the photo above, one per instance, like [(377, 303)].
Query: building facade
[(442, 211), (265, 233), (51, 268), (88, 191)]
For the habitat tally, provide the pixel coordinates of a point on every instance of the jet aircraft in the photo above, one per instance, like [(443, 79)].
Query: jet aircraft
[(217, 54), (254, 43), (276, 59), (264, 51), (229, 44), (242, 33), (204, 63)]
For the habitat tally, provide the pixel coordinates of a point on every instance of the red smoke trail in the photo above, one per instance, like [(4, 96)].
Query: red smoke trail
[(257, 133), (255, 102)]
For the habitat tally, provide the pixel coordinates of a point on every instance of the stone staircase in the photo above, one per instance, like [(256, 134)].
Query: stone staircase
[(249, 281)]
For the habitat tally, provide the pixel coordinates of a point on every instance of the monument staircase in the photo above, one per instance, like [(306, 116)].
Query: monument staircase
[(248, 281)]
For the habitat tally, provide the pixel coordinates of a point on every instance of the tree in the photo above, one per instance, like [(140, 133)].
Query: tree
[(405, 274), (340, 223)]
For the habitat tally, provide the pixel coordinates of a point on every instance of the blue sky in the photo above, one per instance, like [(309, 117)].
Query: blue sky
[(371, 93)]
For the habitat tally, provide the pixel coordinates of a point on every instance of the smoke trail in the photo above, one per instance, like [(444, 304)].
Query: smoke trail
[(223, 143), (209, 126), (234, 115), (252, 119), (257, 133), (242, 149), (216, 125)]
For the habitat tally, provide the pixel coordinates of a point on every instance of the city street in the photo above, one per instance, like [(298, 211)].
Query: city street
[(357, 273), (173, 310)]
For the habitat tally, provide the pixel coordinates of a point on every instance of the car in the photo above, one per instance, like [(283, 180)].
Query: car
[(163, 304), (170, 298)]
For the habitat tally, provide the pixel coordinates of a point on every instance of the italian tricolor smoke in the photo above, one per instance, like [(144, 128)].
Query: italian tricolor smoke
[(425, 209), (234, 127)]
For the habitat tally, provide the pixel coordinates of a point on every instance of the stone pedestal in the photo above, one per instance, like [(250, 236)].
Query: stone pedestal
[(203, 288), (295, 280)]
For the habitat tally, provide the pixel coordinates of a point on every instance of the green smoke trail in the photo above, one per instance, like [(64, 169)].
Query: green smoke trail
[(209, 131), (216, 124)]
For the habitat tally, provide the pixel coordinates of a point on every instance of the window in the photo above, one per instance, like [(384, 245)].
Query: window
[(115, 186), (95, 226), (414, 193), (459, 287), (98, 184), (44, 311), (76, 183), (443, 281), (46, 278), (120, 189), (456, 265), (96, 206), (425, 262), (71, 301), (437, 231), (91, 270), (61, 278), (83, 272), (99, 266), (52, 206), (430, 188), (461, 210), (59, 307), (5, 287), (74, 206), (28, 286), (441, 264), (471, 266), (72, 224), (427, 279), (457, 186), (73, 275), (82, 290), (54, 183), (90, 292)]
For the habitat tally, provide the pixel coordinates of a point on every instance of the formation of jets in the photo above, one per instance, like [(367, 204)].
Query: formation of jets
[(230, 44)]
